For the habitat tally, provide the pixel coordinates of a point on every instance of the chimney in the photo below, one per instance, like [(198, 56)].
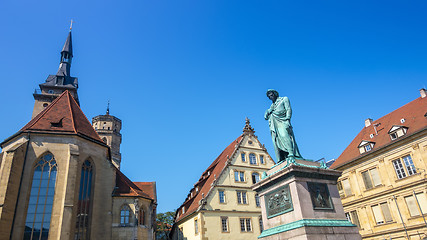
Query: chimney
[(423, 92), (368, 122)]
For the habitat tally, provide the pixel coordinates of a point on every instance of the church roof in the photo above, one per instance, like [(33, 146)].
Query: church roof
[(412, 116), (149, 188), (63, 115), (127, 188), (204, 184)]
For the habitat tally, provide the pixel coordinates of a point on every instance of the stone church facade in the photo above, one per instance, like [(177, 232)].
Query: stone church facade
[(60, 180)]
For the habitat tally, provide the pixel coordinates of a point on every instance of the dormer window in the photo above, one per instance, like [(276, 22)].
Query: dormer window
[(365, 146), (397, 131)]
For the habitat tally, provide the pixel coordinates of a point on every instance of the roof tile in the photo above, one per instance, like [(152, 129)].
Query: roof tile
[(63, 115), (204, 183), (415, 120)]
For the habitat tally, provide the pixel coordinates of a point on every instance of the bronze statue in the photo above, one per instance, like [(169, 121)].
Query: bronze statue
[(279, 119)]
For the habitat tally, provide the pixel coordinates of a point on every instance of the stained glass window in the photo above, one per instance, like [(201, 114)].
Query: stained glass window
[(84, 202), (39, 211)]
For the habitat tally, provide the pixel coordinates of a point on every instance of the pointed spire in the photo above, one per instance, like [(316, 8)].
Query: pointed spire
[(66, 56), (108, 108), (248, 128), (68, 45)]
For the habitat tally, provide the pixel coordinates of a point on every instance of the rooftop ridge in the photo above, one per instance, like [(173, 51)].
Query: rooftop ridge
[(42, 113), (414, 120)]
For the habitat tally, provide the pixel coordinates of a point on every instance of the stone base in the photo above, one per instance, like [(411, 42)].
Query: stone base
[(312, 230), (300, 200)]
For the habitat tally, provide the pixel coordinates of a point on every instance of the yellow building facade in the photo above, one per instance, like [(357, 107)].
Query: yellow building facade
[(383, 186), (221, 205)]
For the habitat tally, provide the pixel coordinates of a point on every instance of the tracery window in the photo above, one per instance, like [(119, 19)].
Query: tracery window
[(125, 215), (84, 202), (39, 211)]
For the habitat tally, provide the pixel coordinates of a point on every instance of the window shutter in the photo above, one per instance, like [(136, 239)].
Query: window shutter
[(412, 206), (377, 214), (367, 180), (421, 197), (386, 212), (375, 177)]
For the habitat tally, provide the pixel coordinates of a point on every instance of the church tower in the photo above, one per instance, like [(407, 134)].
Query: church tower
[(55, 85), (108, 128)]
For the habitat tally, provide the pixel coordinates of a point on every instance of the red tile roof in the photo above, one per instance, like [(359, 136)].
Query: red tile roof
[(149, 188), (204, 184), (63, 115), (127, 188), (415, 120)]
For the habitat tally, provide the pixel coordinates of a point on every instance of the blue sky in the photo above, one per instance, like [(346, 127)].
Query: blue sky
[(183, 75)]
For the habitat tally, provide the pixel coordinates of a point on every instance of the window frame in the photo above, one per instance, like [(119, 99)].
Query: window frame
[(242, 197), (355, 220), (257, 200), (196, 226), (381, 211), (226, 224), (243, 156), (245, 227), (125, 208), (254, 180), (403, 167), (253, 159), (240, 177), (371, 179), (342, 189), (420, 211), (41, 200), (261, 159), (223, 195), (88, 168)]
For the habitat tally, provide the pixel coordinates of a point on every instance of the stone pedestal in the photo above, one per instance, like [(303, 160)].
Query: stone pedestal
[(300, 200)]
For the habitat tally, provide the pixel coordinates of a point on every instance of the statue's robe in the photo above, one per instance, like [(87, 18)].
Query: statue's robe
[(281, 129)]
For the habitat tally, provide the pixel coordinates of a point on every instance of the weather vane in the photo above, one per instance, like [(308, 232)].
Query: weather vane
[(71, 25)]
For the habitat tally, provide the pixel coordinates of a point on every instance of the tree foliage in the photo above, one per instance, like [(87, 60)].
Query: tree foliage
[(164, 225)]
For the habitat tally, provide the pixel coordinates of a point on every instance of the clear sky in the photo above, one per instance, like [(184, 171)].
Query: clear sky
[(183, 75)]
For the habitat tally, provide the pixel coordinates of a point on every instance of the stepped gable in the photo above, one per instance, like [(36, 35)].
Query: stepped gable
[(414, 114), (206, 181), (127, 188), (149, 188), (63, 115)]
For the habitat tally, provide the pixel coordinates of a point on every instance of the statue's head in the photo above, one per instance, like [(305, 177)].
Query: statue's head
[(272, 94)]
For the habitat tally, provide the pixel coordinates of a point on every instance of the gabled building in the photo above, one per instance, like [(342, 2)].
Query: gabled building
[(58, 178), (221, 205), (383, 186)]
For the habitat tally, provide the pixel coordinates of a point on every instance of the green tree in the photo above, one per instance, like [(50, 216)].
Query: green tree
[(164, 223)]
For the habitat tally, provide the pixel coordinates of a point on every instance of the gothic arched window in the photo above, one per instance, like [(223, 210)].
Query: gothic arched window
[(39, 211), (125, 215), (84, 202), (141, 217)]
